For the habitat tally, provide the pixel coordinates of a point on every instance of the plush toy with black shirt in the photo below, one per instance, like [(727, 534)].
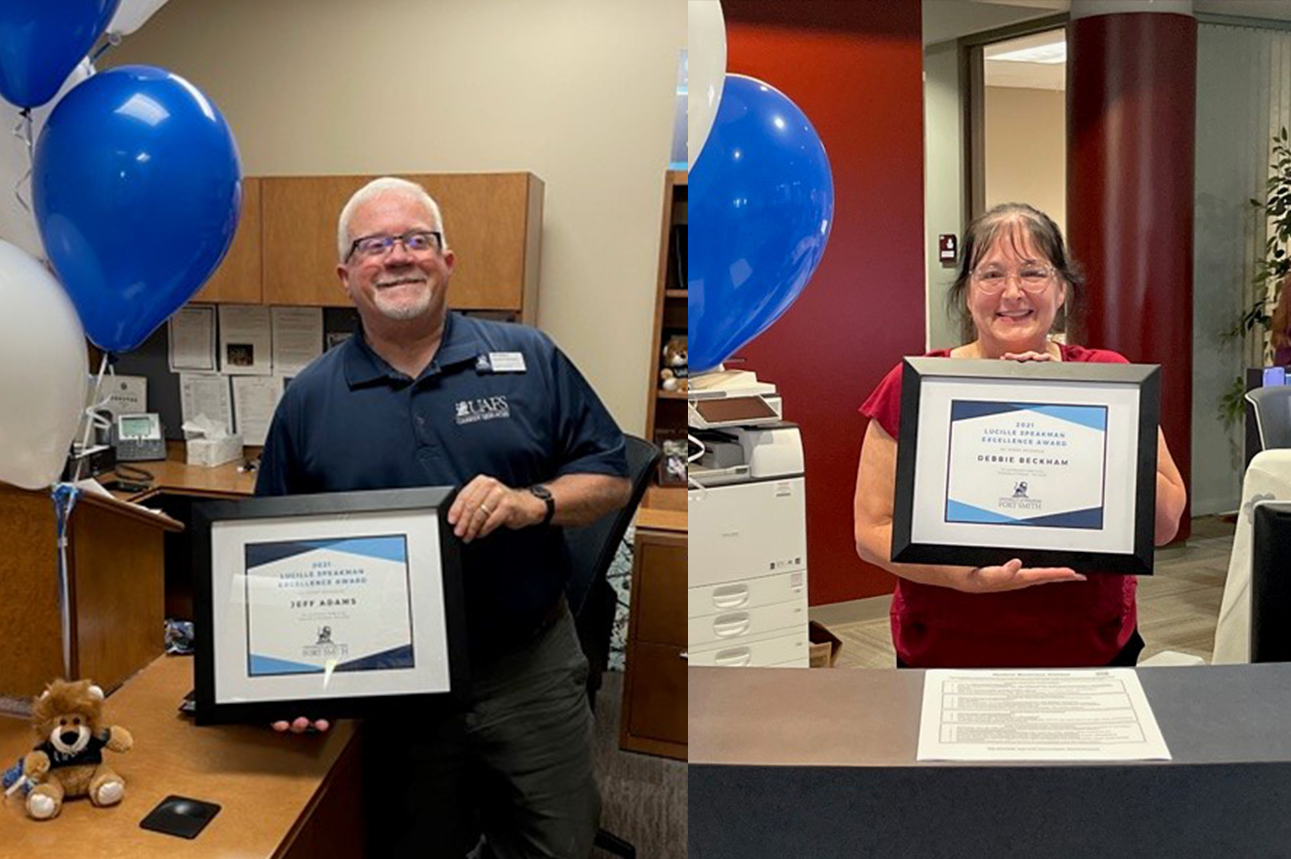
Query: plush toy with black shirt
[(68, 759)]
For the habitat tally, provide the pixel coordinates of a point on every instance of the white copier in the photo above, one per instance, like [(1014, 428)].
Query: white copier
[(748, 526)]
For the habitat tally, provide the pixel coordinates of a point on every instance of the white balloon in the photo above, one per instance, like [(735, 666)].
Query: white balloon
[(706, 72), (43, 376), (131, 15), (18, 223)]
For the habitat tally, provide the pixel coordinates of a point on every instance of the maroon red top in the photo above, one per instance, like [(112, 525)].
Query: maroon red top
[(1053, 625)]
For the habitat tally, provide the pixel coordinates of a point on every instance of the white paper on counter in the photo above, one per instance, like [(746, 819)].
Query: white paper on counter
[(246, 340), (297, 337), (206, 394), (254, 400), (191, 337), (1038, 715)]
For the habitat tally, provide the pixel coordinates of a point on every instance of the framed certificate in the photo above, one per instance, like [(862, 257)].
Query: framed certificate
[(1052, 463), (342, 604)]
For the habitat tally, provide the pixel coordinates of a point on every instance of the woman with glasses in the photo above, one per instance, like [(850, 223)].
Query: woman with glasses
[(1014, 278)]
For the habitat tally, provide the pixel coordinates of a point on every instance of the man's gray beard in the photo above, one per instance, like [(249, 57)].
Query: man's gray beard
[(403, 312)]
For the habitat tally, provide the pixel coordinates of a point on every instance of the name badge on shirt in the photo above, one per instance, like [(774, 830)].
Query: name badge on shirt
[(500, 362)]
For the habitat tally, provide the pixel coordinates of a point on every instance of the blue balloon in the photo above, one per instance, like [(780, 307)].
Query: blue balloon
[(41, 41), (761, 209), (137, 190)]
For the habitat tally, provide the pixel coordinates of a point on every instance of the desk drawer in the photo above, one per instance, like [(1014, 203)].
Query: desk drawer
[(658, 584), (655, 700), (746, 594), (734, 625), (786, 651)]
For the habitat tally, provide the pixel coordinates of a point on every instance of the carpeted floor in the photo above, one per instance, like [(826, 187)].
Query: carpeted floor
[(643, 796)]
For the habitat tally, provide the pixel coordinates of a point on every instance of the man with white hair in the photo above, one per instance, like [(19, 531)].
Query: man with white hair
[(421, 396)]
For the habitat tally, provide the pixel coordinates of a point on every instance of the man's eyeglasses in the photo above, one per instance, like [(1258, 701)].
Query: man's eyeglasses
[(415, 242), (1032, 278)]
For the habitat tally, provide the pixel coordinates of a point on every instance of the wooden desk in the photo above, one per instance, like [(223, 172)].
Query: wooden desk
[(175, 485), (175, 476), (280, 796), (114, 590)]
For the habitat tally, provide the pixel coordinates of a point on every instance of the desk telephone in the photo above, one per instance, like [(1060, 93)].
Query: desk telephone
[(138, 437)]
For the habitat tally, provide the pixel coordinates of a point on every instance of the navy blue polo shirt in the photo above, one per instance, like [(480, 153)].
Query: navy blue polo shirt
[(350, 421)]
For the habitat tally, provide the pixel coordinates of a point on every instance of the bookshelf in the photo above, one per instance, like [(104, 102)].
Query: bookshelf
[(666, 410)]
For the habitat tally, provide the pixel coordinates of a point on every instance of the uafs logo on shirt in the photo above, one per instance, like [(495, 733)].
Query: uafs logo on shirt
[(482, 409)]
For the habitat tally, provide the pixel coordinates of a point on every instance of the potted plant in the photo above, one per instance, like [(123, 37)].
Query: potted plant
[(1270, 270)]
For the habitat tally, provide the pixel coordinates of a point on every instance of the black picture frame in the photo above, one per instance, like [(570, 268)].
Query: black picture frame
[(328, 508), (1001, 375)]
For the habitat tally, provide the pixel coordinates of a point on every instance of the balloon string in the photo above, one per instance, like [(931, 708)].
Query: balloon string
[(23, 132), (64, 495), (114, 39), (92, 417)]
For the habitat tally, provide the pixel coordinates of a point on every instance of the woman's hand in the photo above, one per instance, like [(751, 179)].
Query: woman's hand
[(1012, 576), (1026, 356), (875, 485)]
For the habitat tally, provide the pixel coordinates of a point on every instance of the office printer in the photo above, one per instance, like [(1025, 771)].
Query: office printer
[(747, 594)]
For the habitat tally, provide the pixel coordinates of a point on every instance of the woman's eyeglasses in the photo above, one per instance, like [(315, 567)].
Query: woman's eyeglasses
[(1031, 278)]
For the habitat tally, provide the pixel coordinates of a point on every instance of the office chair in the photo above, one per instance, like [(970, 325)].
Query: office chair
[(591, 598), (1272, 407)]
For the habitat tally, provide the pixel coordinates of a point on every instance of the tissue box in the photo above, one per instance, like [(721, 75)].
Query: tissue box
[(214, 451)]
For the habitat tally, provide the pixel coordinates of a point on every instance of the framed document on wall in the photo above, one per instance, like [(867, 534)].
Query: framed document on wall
[(333, 605), (1052, 463)]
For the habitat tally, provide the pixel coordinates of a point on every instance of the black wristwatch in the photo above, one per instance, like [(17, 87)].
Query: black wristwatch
[(544, 493)]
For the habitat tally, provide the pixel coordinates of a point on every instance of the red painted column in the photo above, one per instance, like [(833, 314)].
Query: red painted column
[(1131, 107)]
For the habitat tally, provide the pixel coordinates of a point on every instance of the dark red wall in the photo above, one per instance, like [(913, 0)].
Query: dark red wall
[(855, 68)]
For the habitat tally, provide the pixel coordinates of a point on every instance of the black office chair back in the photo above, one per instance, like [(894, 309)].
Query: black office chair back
[(592, 549), (1272, 407)]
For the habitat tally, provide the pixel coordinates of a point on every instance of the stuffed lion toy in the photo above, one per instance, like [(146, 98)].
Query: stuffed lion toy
[(68, 759)]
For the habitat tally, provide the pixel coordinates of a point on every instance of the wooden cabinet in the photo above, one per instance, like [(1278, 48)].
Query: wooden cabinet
[(654, 690), (115, 591), (237, 280), (492, 222)]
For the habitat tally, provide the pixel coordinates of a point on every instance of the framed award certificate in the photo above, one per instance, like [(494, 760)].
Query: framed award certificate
[(341, 604), (1052, 463)]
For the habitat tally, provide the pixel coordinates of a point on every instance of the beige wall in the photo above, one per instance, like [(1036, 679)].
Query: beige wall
[(580, 92), (1026, 149)]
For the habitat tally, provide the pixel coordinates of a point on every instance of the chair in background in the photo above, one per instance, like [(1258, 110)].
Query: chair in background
[(1267, 479), (592, 599), (1272, 407)]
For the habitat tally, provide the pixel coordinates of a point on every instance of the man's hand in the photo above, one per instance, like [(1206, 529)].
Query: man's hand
[(301, 725), (486, 504)]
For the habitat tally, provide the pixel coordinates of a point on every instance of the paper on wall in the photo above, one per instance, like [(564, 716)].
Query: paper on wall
[(191, 339), (297, 337), (246, 340), (205, 394), (254, 400)]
